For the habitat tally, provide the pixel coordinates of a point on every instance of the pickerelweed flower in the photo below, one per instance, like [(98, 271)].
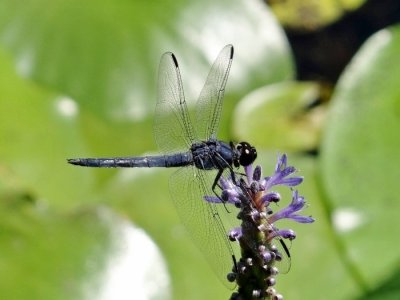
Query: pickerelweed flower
[(261, 242)]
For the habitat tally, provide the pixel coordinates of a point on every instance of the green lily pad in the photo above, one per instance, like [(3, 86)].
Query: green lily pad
[(91, 254), (278, 116), (36, 127), (360, 159)]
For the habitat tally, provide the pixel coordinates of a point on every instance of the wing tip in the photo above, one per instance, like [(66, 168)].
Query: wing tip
[(174, 60), (232, 51), (229, 48)]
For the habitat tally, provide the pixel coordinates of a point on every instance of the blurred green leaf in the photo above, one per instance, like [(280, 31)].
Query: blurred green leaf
[(104, 54), (279, 116), (35, 130), (143, 195), (360, 159), (45, 255)]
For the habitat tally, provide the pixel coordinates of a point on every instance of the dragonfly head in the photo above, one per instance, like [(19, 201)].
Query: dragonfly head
[(247, 153)]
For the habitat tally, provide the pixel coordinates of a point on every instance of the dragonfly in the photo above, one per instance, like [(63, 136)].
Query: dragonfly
[(194, 149)]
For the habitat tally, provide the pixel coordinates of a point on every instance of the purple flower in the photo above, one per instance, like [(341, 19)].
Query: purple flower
[(235, 234), (230, 193), (289, 212), (281, 174)]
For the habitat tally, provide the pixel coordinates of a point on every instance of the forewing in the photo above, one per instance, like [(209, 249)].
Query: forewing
[(202, 219), (209, 104), (173, 130)]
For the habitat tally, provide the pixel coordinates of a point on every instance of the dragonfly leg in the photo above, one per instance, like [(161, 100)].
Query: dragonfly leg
[(235, 263), (216, 184)]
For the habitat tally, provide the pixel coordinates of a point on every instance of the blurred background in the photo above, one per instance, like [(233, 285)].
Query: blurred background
[(317, 80)]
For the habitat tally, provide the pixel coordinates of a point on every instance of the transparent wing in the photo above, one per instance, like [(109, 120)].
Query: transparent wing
[(209, 104), (173, 130), (202, 219)]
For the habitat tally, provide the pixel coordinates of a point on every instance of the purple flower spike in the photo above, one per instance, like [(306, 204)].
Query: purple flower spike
[(258, 234)]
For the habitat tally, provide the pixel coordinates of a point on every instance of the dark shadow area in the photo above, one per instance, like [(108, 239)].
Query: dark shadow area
[(322, 55)]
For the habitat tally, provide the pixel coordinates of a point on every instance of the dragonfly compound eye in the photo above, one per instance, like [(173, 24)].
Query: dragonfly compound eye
[(247, 153)]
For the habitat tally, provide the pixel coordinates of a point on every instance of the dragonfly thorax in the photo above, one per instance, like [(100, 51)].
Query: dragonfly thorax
[(213, 154)]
